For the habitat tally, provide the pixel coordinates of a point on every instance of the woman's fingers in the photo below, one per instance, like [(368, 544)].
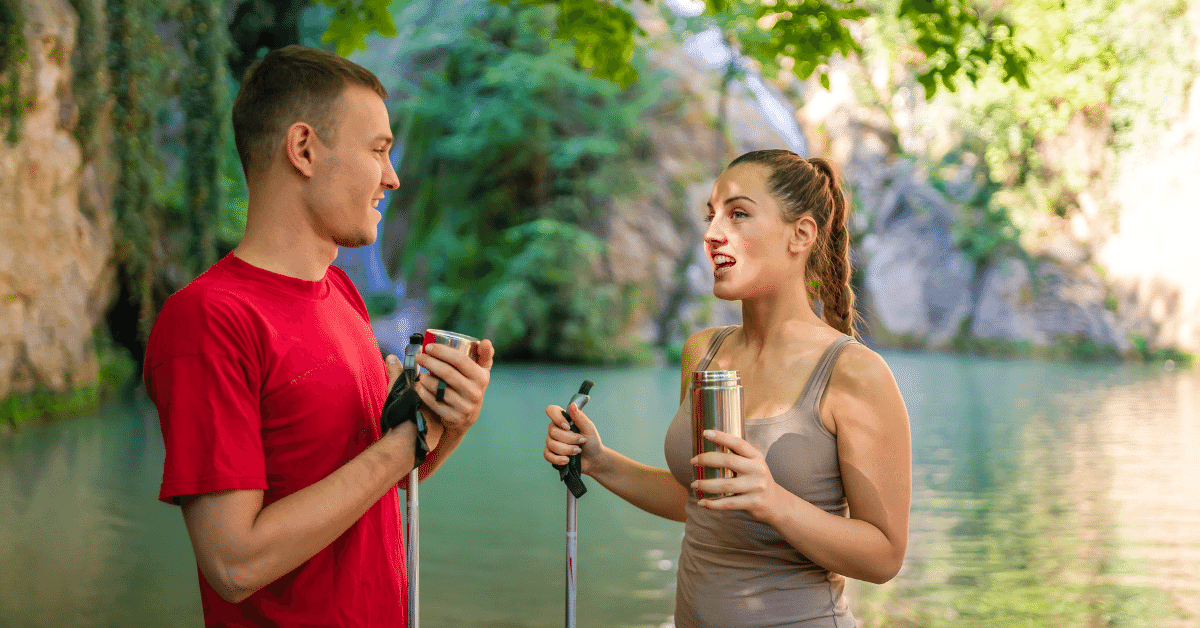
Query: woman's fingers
[(734, 444), (723, 460)]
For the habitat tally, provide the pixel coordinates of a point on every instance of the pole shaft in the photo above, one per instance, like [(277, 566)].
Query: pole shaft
[(572, 558), (413, 551)]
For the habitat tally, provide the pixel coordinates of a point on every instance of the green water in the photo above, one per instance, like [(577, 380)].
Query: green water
[(1045, 494)]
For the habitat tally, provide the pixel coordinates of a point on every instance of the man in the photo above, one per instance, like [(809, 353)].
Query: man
[(269, 382)]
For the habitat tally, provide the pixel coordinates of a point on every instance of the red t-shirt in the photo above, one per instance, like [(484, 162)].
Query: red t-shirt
[(264, 381)]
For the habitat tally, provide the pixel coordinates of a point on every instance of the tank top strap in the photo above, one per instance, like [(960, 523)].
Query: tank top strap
[(713, 345), (814, 389)]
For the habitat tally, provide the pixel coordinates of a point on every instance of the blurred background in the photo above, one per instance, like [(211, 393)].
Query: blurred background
[(1023, 174)]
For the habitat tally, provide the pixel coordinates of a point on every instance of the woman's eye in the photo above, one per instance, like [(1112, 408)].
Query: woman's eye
[(737, 213), (708, 218)]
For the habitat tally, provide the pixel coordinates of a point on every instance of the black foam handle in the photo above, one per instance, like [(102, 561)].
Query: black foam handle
[(572, 473)]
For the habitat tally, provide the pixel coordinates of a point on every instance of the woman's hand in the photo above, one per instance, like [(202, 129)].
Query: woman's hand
[(561, 442), (753, 490)]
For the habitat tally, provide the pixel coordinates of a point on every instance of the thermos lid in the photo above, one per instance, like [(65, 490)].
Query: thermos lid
[(716, 378)]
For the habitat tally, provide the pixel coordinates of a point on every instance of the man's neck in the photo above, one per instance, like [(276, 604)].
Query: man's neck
[(281, 241)]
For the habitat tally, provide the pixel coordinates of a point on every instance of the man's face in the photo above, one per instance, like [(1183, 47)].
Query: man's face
[(354, 170)]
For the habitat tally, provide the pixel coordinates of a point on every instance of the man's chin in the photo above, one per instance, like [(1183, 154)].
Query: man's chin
[(357, 240)]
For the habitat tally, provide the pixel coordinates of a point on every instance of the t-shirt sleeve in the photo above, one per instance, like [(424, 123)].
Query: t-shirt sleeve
[(210, 426), (202, 380)]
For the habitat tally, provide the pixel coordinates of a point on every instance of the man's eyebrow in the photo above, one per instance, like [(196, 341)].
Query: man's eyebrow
[(387, 137), (732, 199)]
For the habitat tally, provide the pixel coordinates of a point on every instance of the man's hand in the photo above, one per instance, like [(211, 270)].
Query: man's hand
[(466, 382), (395, 369)]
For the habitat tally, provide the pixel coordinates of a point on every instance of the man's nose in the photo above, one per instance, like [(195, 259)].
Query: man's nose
[(390, 180)]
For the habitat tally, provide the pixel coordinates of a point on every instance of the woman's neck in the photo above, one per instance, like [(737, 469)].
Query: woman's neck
[(768, 319)]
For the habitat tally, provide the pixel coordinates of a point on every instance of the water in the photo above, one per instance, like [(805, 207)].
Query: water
[(1044, 495)]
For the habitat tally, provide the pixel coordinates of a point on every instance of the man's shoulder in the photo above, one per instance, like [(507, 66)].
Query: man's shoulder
[(212, 311), (214, 292)]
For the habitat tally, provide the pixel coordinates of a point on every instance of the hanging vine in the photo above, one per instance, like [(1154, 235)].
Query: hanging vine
[(205, 126), (90, 80), (136, 99), (13, 50)]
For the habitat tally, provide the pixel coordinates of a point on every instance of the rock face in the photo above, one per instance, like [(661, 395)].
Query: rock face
[(919, 288), (55, 243), (656, 241), (1153, 259)]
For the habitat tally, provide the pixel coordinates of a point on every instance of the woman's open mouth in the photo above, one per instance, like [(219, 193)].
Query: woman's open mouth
[(722, 263)]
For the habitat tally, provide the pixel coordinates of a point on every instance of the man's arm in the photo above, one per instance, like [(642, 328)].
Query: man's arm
[(242, 546)]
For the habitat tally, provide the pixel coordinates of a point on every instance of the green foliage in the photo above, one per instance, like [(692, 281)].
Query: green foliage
[(139, 69), (13, 50), (604, 35), (116, 368), (511, 154), (955, 41), (90, 83), (1163, 354), (985, 230), (206, 125), (951, 34), (1103, 70), (355, 20)]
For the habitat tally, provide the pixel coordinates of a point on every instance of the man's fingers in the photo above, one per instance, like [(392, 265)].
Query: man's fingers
[(485, 354), (452, 372)]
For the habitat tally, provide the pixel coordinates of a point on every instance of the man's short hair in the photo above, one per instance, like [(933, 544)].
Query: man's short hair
[(289, 85)]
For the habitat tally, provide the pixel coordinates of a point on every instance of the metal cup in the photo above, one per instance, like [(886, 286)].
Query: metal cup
[(717, 404), (462, 342)]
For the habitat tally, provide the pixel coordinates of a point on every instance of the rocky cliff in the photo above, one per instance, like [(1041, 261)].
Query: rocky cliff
[(1084, 284), (55, 226)]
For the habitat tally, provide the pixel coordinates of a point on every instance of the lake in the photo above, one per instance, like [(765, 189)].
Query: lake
[(1044, 495)]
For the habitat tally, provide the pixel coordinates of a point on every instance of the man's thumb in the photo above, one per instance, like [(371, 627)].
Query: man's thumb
[(394, 369)]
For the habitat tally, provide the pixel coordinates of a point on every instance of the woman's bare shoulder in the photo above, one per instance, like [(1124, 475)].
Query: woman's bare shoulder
[(862, 379)]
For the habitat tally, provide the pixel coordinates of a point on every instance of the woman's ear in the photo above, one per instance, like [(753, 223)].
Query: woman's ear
[(804, 235), (299, 145)]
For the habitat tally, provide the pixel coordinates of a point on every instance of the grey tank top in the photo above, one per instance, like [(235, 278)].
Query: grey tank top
[(736, 571)]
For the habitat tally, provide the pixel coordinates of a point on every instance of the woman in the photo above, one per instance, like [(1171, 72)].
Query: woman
[(823, 477)]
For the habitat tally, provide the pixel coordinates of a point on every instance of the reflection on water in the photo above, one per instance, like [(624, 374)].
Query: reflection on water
[(1044, 495), (1047, 495)]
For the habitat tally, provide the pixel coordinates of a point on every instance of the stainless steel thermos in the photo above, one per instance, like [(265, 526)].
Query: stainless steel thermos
[(717, 404)]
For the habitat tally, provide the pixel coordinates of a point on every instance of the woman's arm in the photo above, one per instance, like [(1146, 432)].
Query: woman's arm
[(874, 450), (650, 488)]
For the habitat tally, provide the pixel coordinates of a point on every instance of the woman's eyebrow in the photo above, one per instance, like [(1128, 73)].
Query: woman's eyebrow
[(732, 199)]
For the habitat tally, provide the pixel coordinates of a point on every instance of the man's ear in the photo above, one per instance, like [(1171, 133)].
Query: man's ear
[(804, 235), (299, 143)]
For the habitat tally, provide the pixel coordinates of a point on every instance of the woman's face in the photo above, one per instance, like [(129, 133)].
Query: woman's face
[(751, 248)]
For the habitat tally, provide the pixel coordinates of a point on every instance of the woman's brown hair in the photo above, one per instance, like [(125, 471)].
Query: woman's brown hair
[(812, 186)]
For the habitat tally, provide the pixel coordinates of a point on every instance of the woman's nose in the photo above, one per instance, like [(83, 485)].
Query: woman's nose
[(715, 232)]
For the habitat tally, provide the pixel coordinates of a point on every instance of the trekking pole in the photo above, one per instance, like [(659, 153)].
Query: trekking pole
[(570, 474), (416, 344), (412, 557)]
